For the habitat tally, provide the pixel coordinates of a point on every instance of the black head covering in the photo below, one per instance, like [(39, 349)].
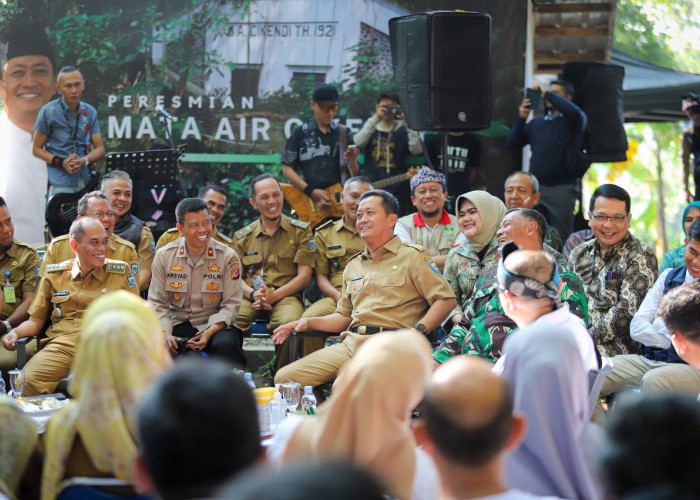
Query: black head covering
[(28, 40)]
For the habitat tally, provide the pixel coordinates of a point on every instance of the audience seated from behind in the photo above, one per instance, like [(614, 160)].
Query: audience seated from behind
[(479, 215), (675, 257), (121, 353), (468, 427), (659, 368), (652, 449), (197, 428), (20, 459), (617, 269), (680, 310), (330, 480), (367, 418), (550, 387)]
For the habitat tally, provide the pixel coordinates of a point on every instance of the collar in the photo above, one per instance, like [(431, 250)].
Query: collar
[(209, 251), (314, 126), (112, 241), (67, 108), (688, 277), (392, 246), (99, 272), (419, 222), (340, 224), (613, 249), (12, 251), (284, 224)]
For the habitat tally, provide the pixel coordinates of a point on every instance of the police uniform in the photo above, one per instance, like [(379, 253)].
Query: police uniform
[(173, 234), (335, 244), (19, 267), (63, 295), (59, 250), (276, 258), (191, 295), (391, 291)]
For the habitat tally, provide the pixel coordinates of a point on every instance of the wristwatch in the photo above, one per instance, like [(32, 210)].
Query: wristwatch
[(8, 326), (252, 292), (421, 328)]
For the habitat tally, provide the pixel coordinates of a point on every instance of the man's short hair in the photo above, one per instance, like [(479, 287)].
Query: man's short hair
[(611, 191), (470, 446), (77, 230), (652, 442), (680, 310), (3, 203), (389, 201), (567, 86), (197, 428), (188, 206), (115, 175), (693, 232), (211, 187), (65, 70), (259, 178), (531, 215), (358, 178), (84, 201), (533, 180), (389, 95)]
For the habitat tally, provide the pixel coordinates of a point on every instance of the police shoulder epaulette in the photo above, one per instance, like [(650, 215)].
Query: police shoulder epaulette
[(299, 223), (172, 230), (60, 267), (115, 266), (224, 238), (121, 241), (242, 232), (326, 224)]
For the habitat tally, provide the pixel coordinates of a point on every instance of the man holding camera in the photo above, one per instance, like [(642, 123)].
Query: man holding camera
[(196, 288), (386, 141)]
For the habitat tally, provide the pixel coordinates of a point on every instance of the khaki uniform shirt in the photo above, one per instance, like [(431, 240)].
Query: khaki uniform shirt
[(275, 256), (59, 250), (64, 293), (19, 267), (335, 245), (146, 249), (438, 240), (204, 292), (392, 290), (173, 234)]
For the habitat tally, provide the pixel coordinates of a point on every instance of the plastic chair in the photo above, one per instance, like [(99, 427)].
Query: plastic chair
[(88, 488)]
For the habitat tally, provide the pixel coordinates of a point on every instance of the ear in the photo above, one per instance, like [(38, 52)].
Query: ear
[(311, 104), (252, 203), (142, 480), (680, 343), (74, 245), (413, 200), (420, 434), (535, 198), (590, 219), (517, 433), (179, 228)]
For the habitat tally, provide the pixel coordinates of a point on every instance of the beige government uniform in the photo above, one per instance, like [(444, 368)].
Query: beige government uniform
[(22, 263), (204, 292), (335, 245), (146, 249), (173, 234), (437, 241), (276, 257), (391, 291), (63, 295), (59, 250)]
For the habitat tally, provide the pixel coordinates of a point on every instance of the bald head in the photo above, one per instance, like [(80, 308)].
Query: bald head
[(534, 264), (468, 411)]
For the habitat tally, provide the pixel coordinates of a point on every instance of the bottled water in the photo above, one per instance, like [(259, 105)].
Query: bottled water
[(308, 400), (278, 409), (248, 377)]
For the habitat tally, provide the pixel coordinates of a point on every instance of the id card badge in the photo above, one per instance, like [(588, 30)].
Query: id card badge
[(9, 294), (258, 282)]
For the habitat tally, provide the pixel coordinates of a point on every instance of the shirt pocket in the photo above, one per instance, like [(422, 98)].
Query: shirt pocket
[(354, 286), (59, 302), (336, 257), (211, 292), (251, 264), (177, 290)]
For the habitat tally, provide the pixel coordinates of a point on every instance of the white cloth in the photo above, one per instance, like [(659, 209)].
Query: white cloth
[(514, 494), (646, 326), (23, 180)]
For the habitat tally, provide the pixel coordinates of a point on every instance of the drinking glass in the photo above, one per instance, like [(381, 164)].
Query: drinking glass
[(291, 392), (16, 382)]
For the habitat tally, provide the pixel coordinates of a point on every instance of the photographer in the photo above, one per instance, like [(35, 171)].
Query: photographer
[(690, 145), (386, 141)]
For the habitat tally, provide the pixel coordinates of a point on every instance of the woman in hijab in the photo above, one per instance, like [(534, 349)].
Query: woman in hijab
[(674, 258), (545, 371), (121, 353), (18, 449), (479, 216), (367, 419)]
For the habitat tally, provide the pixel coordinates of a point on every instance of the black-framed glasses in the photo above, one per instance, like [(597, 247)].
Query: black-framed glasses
[(617, 219)]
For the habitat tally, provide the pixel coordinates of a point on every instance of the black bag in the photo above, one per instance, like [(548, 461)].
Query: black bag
[(577, 161)]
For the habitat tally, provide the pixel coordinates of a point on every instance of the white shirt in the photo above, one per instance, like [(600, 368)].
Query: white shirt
[(648, 328), (23, 180)]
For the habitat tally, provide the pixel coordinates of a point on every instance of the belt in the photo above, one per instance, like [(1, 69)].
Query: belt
[(368, 330)]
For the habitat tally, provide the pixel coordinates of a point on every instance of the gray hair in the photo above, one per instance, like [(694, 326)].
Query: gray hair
[(85, 201), (358, 178), (114, 175), (533, 180)]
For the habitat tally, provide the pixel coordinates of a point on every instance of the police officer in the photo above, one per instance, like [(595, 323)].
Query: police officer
[(390, 285), (277, 254), (19, 266), (97, 206), (196, 287), (336, 242), (118, 187), (64, 293), (215, 198)]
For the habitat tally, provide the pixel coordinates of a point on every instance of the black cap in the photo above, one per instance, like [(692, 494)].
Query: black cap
[(325, 93), (28, 40)]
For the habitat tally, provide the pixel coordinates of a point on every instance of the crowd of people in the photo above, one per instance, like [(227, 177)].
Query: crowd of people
[(504, 400)]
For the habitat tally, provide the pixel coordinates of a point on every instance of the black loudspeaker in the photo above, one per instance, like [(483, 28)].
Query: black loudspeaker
[(442, 69), (598, 92)]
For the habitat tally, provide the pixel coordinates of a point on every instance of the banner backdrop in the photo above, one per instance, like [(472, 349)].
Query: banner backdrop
[(237, 74)]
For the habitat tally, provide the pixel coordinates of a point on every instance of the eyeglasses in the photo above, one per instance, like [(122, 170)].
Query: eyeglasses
[(102, 215), (328, 107), (617, 219)]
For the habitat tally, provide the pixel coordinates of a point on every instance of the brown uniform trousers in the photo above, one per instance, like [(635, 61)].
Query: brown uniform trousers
[(63, 295), (391, 291), (276, 258)]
